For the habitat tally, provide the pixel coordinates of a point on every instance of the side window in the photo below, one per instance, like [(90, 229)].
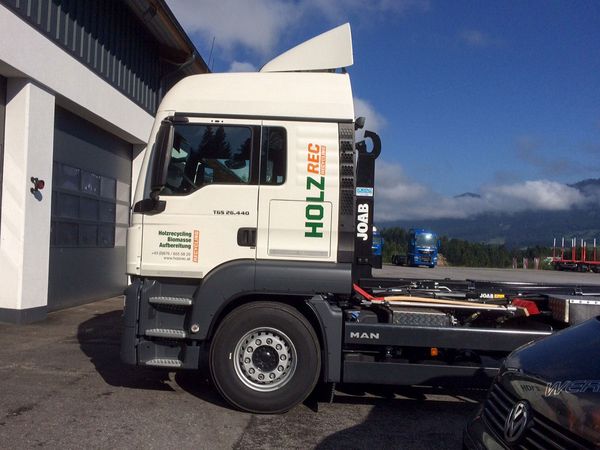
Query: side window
[(208, 154), (273, 156)]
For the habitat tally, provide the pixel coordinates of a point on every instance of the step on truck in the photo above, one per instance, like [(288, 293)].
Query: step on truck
[(250, 249)]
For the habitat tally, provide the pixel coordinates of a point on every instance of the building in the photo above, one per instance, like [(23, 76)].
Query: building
[(80, 81)]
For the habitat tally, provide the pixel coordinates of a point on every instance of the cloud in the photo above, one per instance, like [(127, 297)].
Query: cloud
[(478, 39), (534, 195), (237, 66), (336, 10), (374, 120), (259, 25), (399, 197), (535, 152), (255, 25)]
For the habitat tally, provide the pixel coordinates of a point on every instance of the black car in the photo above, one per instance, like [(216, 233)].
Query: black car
[(546, 395)]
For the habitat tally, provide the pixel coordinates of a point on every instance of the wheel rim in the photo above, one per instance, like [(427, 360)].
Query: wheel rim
[(265, 359)]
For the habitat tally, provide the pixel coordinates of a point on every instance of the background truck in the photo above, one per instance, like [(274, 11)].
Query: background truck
[(250, 249), (423, 246), (377, 247)]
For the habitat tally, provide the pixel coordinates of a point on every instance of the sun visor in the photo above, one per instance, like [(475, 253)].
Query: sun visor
[(327, 51)]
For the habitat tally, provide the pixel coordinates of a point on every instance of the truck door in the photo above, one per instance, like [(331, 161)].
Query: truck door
[(211, 199), (299, 194)]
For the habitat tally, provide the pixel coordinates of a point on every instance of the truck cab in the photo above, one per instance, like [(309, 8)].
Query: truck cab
[(423, 246), (245, 209)]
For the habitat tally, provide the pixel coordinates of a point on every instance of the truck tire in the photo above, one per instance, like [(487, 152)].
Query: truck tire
[(265, 358)]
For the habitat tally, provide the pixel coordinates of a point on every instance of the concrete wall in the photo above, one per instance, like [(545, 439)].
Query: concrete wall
[(25, 221), (2, 111)]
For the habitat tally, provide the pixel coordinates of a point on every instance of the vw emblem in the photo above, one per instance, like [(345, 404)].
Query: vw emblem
[(517, 421)]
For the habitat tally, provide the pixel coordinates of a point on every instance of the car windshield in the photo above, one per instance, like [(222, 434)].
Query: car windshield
[(426, 240)]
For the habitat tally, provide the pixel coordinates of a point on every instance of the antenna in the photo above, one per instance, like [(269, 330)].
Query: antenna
[(210, 54)]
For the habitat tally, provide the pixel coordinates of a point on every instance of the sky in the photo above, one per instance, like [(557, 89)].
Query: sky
[(499, 99)]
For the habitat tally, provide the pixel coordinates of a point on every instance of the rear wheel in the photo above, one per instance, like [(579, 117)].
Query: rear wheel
[(265, 357)]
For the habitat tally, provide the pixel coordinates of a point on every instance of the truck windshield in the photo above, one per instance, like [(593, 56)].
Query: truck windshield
[(426, 240), (205, 154)]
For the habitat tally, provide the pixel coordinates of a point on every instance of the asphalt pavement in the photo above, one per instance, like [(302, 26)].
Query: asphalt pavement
[(62, 386)]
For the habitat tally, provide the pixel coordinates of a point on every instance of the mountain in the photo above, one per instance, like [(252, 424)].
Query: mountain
[(527, 228), (468, 195), (589, 187)]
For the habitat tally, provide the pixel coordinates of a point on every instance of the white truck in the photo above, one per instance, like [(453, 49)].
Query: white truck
[(250, 253)]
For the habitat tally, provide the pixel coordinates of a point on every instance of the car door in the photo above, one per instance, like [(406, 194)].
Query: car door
[(211, 196), (299, 194)]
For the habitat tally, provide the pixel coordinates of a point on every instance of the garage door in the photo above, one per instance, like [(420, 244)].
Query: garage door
[(90, 212)]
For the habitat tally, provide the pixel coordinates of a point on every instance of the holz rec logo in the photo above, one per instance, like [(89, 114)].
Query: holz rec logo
[(316, 168)]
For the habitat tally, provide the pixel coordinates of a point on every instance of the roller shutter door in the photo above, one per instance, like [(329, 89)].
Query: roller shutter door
[(90, 212)]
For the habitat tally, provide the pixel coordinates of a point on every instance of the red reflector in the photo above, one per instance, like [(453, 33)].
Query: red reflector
[(529, 305), (39, 185)]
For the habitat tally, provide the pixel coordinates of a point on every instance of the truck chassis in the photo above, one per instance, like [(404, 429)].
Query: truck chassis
[(387, 331)]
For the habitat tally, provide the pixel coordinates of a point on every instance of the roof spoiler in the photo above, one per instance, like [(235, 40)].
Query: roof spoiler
[(328, 51)]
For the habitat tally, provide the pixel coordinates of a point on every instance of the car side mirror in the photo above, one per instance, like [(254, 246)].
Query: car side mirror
[(235, 164), (359, 123)]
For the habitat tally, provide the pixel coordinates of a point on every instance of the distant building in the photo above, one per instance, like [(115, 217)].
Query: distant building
[(80, 81)]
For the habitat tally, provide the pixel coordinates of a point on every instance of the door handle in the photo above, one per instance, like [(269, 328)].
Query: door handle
[(246, 237)]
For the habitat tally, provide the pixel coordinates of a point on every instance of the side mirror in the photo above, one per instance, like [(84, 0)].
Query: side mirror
[(161, 157), (235, 164), (359, 123)]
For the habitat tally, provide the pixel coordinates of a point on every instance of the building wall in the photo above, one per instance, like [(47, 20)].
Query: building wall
[(2, 114), (25, 224), (104, 36), (75, 85), (45, 80)]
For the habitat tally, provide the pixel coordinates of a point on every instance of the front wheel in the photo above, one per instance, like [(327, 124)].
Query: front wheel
[(265, 357)]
